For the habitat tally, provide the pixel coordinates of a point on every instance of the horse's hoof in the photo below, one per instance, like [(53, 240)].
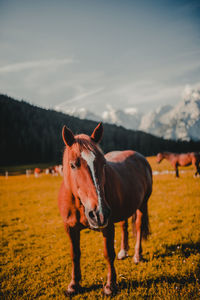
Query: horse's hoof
[(196, 176), (122, 254), (73, 289), (109, 290), (137, 259)]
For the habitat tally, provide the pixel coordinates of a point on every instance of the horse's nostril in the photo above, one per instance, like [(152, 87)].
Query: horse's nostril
[(91, 215)]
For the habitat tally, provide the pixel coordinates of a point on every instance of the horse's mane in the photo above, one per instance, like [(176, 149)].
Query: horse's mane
[(88, 144), (82, 142)]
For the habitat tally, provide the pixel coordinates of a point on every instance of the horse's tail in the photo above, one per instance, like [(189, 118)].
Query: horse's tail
[(145, 227), (145, 222)]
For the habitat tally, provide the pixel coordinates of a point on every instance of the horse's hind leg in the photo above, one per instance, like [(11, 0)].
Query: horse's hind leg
[(197, 169), (141, 221), (177, 172), (123, 253), (137, 219)]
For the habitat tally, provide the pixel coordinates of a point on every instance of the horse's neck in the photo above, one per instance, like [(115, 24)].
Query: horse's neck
[(111, 177), (108, 173)]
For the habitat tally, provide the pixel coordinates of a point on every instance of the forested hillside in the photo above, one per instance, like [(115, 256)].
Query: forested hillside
[(29, 134)]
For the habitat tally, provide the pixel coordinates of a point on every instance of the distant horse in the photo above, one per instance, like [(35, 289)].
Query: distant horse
[(58, 170), (98, 191), (55, 170), (52, 170), (183, 160), (37, 172)]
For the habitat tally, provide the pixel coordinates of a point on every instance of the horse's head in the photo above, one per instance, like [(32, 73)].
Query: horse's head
[(159, 157), (84, 173)]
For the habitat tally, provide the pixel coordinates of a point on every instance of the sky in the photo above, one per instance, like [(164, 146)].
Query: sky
[(97, 53)]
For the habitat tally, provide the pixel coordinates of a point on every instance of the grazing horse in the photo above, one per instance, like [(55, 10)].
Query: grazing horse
[(183, 160), (98, 191)]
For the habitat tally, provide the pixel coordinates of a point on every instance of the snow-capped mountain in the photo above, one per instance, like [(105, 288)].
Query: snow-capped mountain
[(128, 118), (151, 121), (179, 122)]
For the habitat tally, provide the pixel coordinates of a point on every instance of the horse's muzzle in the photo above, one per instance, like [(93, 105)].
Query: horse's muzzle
[(98, 219)]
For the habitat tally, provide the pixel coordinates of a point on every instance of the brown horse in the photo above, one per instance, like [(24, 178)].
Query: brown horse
[(98, 191), (183, 160)]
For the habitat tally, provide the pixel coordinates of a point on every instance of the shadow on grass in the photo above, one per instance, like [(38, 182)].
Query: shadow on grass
[(85, 289), (134, 284), (185, 250), (131, 284)]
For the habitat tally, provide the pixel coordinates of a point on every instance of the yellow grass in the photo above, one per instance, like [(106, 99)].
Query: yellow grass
[(35, 260)]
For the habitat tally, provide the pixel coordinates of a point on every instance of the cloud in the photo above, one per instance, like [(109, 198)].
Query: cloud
[(79, 97), (17, 67)]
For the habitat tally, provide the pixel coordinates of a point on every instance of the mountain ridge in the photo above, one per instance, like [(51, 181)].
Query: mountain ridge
[(179, 122), (30, 134)]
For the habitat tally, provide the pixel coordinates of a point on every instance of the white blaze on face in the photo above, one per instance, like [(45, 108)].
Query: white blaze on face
[(89, 157)]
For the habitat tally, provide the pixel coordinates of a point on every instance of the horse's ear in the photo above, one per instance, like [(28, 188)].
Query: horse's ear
[(97, 134), (68, 136)]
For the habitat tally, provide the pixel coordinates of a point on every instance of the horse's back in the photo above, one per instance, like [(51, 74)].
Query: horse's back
[(186, 159), (118, 156), (128, 159)]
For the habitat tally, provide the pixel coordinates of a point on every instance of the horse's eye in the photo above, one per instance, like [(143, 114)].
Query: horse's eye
[(78, 162), (72, 165), (75, 164)]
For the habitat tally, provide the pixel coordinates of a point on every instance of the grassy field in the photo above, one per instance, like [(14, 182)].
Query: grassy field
[(35, 259)]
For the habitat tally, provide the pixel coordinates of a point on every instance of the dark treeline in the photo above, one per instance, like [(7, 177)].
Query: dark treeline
[(29, 134)]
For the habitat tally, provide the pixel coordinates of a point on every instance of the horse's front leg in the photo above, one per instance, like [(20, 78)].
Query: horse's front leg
[(123, 253), (109, 254), (74, 236)]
